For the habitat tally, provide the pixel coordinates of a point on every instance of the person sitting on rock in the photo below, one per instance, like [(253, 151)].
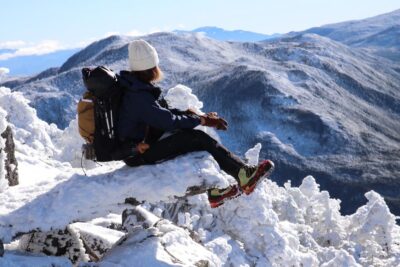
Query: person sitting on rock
[(144, 118)]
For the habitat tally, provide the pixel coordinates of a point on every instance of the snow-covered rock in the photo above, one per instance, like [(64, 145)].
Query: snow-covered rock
[(96, 240), (138, 217), (28, 129), (11, 163), (3, 126), (62, 243), (163, 244)]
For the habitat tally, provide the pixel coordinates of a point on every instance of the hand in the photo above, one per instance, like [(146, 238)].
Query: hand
[(212, 115), (142, 147), (214, 121)]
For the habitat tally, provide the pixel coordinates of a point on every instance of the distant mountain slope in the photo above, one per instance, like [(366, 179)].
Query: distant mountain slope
[(317, 106), (351, 32), (380, 34), (236, 35), (33, 64)]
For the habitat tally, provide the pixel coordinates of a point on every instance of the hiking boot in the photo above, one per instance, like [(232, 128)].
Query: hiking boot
[(217, 197), (250, 176)]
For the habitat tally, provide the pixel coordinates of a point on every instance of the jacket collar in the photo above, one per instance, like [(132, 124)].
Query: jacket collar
[(130, 82)]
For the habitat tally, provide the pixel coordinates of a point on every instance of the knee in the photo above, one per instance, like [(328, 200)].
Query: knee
[(202, 137), (199, 134)]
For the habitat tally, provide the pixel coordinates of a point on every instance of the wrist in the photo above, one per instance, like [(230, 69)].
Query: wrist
[(202, 120)]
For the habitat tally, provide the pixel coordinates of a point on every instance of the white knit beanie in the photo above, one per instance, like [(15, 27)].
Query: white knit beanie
[(142, 56)]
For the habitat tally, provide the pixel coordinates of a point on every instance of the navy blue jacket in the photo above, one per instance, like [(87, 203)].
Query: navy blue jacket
[(139, 108)]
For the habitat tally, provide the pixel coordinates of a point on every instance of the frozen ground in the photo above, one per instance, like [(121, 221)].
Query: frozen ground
[(275, 226)]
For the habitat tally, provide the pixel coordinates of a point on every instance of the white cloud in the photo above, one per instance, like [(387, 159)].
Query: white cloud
[(26, 49), (23, 48), (12, 44)]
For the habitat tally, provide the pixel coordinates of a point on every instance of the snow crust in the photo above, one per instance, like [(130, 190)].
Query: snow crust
[(274, 226)]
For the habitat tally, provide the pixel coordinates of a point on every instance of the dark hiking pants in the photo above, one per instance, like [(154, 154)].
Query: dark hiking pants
[(185, 141)]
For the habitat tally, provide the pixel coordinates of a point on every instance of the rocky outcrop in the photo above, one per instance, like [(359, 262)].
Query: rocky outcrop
[(10, 164), (138, 217), (57, 242), (79, 242), (172, 244), (88, 242), (97, 240)]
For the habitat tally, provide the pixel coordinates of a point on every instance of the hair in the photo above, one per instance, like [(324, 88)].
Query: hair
[(151, 75)]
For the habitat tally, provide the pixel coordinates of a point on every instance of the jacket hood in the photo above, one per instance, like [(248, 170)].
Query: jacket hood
[(131, 83)]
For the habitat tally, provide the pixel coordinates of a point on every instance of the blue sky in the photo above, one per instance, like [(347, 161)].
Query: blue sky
[(53, 24)]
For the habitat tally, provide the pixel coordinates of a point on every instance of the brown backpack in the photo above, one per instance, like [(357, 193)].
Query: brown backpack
[(86, 120)]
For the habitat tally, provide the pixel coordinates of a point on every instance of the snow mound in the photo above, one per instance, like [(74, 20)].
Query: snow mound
[(181, 97), (274, 226), (28, 129), (76, 197), (303, 226)]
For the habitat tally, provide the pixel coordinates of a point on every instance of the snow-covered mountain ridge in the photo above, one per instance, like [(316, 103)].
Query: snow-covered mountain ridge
[(274, 226), (378, 35), (284, 94)]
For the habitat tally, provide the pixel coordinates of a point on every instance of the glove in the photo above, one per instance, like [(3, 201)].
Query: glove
[(212, 120), (212, 115), (191, 111)]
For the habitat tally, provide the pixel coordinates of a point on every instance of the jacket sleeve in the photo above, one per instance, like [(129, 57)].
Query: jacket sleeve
[(177, 111), (162, 118), (164, 104)]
